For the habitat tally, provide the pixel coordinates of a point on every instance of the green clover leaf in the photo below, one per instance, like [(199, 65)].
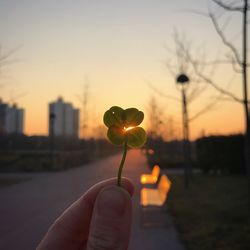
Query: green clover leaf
[(136, 137), (122, 124), (133, 117), (116, 135), (113, 116), (123, 130)]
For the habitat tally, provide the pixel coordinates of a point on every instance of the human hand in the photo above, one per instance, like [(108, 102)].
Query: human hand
[(100, 219)]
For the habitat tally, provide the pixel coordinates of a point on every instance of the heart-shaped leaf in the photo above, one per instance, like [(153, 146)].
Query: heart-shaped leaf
[(133, 117), (136, 137), (113, 117), (116, 135)]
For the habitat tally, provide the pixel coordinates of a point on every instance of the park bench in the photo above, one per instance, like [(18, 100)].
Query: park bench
[(156, 196), (153, 201), (151, 178)]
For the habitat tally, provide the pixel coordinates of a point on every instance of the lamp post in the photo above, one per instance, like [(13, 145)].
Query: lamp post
[(182, 81)]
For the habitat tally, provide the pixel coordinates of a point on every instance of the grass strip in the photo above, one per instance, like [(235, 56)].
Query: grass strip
[(213, 213)]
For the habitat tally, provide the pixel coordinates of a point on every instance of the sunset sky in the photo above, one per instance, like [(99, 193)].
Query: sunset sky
[(120, 47)]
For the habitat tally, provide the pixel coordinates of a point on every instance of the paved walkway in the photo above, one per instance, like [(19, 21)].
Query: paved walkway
[(28, 208)]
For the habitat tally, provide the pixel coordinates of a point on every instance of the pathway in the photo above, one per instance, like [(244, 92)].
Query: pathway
[(28, 208)]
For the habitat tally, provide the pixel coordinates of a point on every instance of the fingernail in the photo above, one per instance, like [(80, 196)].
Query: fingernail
[(112, 201)]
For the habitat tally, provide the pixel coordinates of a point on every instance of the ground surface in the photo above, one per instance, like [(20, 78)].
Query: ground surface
[(28, 208), (213, 214)]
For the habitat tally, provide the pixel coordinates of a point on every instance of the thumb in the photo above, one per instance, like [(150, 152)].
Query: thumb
[(111, 220)]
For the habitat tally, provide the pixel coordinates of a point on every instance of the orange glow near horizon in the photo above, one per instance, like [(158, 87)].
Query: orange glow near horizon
[(116, 46), (228, 121)]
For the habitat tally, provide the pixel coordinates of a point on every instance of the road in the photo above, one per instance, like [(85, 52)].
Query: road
[(27, 209)]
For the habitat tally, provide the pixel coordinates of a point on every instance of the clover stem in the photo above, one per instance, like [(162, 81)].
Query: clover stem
[(125, 147)]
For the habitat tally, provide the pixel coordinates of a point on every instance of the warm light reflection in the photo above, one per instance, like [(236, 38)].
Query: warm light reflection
[(157, 196), (129, 128), (151, 178), (143, 179)]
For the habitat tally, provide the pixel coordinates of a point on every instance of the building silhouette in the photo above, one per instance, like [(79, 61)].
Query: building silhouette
[(63, 119), (11, 118)]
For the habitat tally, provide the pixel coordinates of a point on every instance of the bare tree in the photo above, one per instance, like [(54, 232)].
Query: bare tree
[(179, 64), (238, 60), (155, 115), (84, 101), (160, 125)]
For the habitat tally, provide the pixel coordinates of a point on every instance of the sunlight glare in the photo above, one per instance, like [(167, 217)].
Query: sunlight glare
[(129, 128)]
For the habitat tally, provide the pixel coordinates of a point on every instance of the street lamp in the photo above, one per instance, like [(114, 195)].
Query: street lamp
[(182, 81)]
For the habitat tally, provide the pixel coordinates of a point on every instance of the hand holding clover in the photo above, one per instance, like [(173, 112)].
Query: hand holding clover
[(123, 130), (103, 206)]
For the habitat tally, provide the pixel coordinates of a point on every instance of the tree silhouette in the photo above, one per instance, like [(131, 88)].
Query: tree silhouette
[(238, 61)]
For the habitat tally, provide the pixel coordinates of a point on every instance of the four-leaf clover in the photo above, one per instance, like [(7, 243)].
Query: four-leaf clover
[(123, 130), (122, 126)]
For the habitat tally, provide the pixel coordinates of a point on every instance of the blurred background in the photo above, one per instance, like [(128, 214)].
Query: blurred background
[(183, 63)]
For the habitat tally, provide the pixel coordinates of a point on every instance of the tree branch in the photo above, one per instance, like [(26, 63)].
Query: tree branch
[(159, 92), (218, 61), (228, 7), (205, 109), (6, 55), (209, 80), (224, 40), (195, 93), (169, 67), (215, 86)]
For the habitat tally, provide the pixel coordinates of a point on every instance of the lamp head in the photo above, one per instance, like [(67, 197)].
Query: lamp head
[(182, 79)]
